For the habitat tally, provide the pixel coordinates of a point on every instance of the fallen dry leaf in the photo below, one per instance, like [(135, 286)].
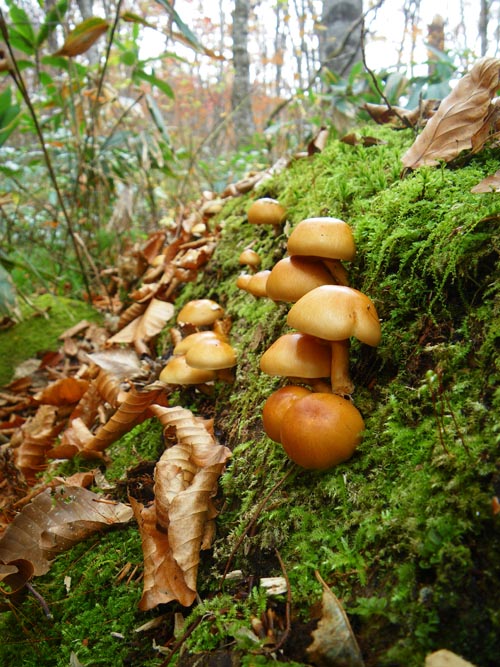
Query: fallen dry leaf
[(52, 522), (334, 642), (180, 521), (488, 184), (459, 117), (64, 391)]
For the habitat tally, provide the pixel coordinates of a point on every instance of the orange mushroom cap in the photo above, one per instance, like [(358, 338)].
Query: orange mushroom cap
[(276, 406), (297, 355), (292, 277), (320, 431), (200, 312), (322, 237), (266, 211)]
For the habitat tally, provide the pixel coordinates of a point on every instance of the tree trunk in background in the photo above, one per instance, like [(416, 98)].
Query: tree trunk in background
[(337, 20), (241, 99), (483, 25)]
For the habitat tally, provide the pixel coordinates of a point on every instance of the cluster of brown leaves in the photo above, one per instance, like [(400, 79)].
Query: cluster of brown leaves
[(463, 123)]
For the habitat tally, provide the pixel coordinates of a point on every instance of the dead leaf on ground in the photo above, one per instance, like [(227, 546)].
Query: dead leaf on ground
[(52, 523), (180, 521), (334, 642), (65, 391), (460, 116), (488, 184)]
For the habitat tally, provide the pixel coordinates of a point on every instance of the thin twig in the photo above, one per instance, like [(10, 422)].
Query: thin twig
[(40, 599), (404, 121), (248, 527), (178, 644)]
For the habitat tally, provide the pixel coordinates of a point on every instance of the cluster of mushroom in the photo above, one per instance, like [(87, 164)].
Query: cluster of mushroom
[(204, 353), (317, 427)]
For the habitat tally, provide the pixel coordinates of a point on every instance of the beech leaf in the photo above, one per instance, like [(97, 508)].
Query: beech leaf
[(334, 642), (181, 520), (489, 184), (460, 116), (51, 523)]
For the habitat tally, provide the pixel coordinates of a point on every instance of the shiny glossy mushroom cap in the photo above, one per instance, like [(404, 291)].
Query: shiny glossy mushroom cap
[(292, 277), (250, 258), (336, 312), (200, 312), (330, 238), (276, 406), (177, 371), (183, 346), (297, 355), (266, 211), (321, 430), (211, 354)]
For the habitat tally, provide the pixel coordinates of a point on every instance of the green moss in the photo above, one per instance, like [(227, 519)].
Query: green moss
[(403, 532), (38, 332)]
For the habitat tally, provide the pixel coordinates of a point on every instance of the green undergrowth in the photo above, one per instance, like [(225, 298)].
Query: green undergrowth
[(39, 329), (404, 532)]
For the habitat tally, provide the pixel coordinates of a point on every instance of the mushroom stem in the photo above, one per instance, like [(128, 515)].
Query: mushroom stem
[(338, 271), (341, 380)]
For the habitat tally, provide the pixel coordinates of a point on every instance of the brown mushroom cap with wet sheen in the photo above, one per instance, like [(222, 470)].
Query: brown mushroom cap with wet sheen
[(335, 313), (183, 346), (200, 312), (211, 354), (321, 430), (330, 238), (297, 355), (266, 211), (177, 371), (250, 258), (276, 406), (292, 277), (256, 284)]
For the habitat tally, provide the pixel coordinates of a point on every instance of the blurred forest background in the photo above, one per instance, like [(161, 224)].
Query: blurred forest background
[(115, 115)]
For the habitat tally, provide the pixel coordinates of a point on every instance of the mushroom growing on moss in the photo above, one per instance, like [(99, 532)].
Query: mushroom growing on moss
[(276, 406), (320, 431), (292, 277), (256, 284), (250, 258), (178, 371), (330, 239), (266, 211), (200, 312), (298, 356), (335, 313)]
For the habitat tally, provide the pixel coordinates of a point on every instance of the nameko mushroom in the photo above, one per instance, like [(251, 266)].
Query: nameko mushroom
[(321, 430), (266, 211), (329, 239), (335, 313)]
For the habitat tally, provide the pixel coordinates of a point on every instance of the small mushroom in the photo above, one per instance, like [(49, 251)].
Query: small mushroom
[(266, 211), (292, 277), (250, 258), (177, 371), (330, 239), (211, 354), (276, 406), (183, 345), (256, 284), (321, 430), (200, 312), (298, 356), (335, 313)]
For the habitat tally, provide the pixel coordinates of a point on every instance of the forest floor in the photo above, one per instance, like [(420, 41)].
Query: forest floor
[(405, 533)]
